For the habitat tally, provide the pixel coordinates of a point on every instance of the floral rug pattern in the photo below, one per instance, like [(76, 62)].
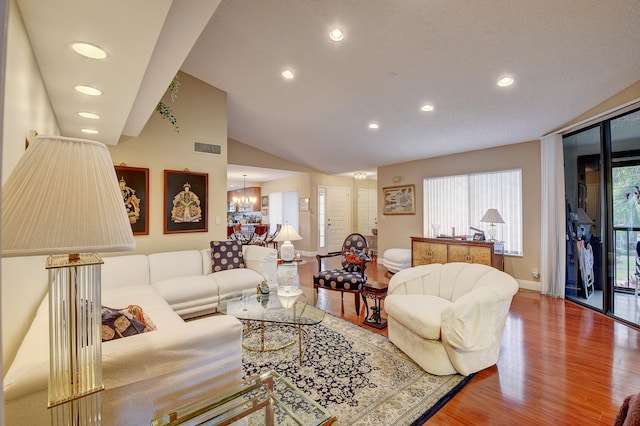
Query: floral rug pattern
[(358, 375)]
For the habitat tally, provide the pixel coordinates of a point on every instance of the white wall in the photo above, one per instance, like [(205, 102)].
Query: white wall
[(26, 107), (26, 102)]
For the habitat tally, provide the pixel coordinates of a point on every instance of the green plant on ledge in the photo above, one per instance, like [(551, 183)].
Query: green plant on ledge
[(165, 110)]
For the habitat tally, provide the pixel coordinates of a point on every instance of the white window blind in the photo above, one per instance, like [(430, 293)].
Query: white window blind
[(460, 202)]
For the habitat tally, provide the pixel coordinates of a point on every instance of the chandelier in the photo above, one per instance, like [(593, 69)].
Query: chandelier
[(244, 202)]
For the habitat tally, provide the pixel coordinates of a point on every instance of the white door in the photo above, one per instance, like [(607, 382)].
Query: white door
[(367, 210), (338, 216)]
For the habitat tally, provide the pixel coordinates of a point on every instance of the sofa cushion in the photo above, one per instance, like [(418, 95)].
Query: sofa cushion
[(123, 322), (226, 255), (187, 288), (167, 265), (125, 271), (422, 314), (233, 280)]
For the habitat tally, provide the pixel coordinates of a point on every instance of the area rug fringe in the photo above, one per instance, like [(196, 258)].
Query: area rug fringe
[(358, 375)]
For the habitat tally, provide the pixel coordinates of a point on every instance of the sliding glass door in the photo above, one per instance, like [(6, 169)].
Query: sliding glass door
[(602, 187), (625, 214), (583, 190)]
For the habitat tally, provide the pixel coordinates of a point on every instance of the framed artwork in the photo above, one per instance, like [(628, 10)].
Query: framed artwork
[(478, 236), (185, 201), (134, 186), (399, 199), (303, 204), (265, 201)]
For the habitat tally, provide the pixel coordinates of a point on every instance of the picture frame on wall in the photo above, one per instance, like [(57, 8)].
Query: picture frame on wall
[(185, 201), (303, 204), (265, 201), (134, 186), (399, 199)]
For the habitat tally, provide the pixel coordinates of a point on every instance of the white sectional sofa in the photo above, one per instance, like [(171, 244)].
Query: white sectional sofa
[(151, 373)]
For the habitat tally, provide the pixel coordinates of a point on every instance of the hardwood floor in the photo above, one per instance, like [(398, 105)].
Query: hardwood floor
[(560, 363)]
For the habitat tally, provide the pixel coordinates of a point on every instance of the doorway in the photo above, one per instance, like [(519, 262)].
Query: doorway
[(334, 217)]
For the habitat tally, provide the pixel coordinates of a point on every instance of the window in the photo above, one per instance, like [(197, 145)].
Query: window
[(460, 202)]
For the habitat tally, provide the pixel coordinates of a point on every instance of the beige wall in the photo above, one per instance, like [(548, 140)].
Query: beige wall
[(26, 107), (201, 111), (26, 102), (396, 230), (631, 93)]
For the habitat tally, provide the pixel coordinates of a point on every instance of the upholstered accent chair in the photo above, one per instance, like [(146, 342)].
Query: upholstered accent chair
[(449, 318), (351, 277)]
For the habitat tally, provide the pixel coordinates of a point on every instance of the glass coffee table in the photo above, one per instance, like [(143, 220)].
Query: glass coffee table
[(264, 314), (266, 399)]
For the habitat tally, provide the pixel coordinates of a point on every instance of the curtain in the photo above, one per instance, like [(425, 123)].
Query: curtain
[(553, 243)]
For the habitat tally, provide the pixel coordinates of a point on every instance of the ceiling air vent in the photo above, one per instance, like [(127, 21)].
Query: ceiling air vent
[(206, 148)]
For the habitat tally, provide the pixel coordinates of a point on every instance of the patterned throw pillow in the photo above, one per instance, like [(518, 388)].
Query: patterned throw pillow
[(226, 255), (353, 259), (118, 323)]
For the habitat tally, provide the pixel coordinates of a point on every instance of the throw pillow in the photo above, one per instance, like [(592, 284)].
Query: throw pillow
[(226, 255), (118, 323), (354, 259)]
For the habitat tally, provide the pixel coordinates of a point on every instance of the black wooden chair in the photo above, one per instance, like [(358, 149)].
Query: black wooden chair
[(351, 277)]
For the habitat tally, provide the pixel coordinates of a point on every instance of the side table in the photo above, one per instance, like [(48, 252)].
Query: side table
[(377, 292)]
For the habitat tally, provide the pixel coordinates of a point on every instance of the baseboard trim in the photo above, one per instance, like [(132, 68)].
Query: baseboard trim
[(529, 285)]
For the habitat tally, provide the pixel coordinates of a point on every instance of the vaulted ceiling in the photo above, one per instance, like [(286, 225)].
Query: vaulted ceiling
[(564, 56)]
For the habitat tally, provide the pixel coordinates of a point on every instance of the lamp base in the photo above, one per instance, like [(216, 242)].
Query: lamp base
[(492, 232), (287, 252), (75, 342)]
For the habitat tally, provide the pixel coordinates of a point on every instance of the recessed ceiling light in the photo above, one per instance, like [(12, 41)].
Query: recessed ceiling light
[(90, 131), (88, 90), (88, 50), (288, 74), (426, 107), (336, 34), (90, 115), (505, 81), (374, 126)]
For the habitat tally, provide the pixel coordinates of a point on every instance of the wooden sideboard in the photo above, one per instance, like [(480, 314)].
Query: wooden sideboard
[(444, 250)]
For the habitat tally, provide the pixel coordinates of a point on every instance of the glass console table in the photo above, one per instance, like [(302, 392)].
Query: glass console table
[(267, 399)]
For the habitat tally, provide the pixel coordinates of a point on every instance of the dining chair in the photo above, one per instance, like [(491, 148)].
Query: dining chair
[(259, 236), (270, 237)]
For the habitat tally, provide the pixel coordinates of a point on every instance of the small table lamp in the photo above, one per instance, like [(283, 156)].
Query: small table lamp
[(287, 234), (584, 223), (63, 197), (492, 216)]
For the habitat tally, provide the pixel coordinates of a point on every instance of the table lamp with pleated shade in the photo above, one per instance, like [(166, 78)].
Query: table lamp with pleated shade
[(63, 199), (286, 235)]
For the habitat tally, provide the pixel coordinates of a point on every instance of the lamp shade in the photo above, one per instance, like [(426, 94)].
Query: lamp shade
[(583, 218), (287, 233), (492, 216), (63, 197)]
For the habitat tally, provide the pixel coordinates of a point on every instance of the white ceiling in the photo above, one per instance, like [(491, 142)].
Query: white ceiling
[(566, 57)]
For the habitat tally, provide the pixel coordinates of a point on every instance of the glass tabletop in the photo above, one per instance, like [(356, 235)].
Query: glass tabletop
[(276, 307), (266, 399)]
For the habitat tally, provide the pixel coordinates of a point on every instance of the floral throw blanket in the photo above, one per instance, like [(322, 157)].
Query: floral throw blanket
[(117, 323)]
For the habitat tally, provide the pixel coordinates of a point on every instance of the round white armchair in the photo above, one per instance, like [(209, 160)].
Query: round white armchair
[(449, 318)]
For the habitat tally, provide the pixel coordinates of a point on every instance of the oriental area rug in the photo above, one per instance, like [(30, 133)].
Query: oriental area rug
[(358, 376)]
